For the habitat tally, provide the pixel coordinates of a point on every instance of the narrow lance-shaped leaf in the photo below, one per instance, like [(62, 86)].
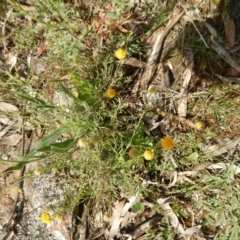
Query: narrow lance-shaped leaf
[(46, 141), (31, 99), (16, 167)]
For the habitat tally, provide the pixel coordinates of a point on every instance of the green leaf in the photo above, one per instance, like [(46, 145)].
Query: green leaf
[(138, 207), (46, 106), (193, 157), (155, 207), (43, 144), (31, 99), (59, 150), (46, 141), (23, 163), (16, 167), (62, 147), (44, 149)]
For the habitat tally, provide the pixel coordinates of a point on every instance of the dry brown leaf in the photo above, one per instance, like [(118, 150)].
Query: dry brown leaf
[(192, 230), (150, 40), (134, 62), (175, 178), (66, 77), (228, 79), (49, 91), (144, 227), (122, 29), (219, 49), (39, 132), (108, 6), (29, 8), (126, 219), (224, 166), (233, 72), (8, 124), (201, 166), (5, 120), (144, 80), (216, 150), (7, 107), (182, 106), (5, 130), (96, 23), (11, 61), (119, 212), (164, 204), (229, 27), (11, 140), (116, 218), (211, 29)]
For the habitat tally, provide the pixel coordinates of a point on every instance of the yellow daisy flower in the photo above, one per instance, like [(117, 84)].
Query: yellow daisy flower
[(120, 53), (168, 142), (57, 217), (45, 218), (111, 93), (121, 158), (148, 155), (198, 125)]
